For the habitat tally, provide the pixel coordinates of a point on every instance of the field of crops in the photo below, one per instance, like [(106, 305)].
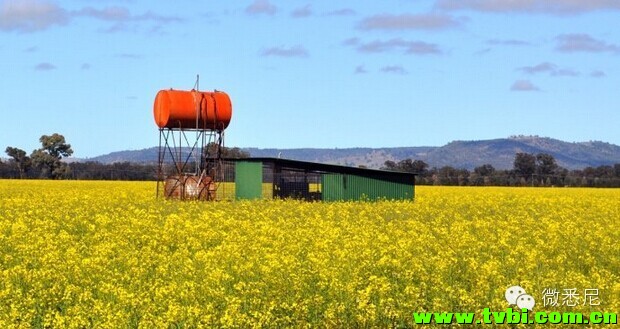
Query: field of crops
[(108, 255)]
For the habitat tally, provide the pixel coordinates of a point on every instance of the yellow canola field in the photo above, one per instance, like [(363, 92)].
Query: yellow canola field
[(77, 254)]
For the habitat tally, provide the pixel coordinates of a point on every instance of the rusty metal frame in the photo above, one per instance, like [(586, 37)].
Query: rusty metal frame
[(179, 152)]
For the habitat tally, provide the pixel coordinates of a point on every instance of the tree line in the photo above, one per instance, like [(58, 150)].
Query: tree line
[(528, 170), (48, 162)]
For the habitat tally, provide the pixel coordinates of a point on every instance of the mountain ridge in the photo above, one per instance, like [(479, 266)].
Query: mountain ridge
[(498, 152)]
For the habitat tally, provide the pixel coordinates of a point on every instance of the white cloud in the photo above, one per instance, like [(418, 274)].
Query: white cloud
[(565, 73), (572, 43), (116, 14), (554, 7), (542, 67), (351, 42), (342, 12), (261, 7), (305, 11), (30, 15), (38, 15), (550, 68), (523, 85), (394, 69), (409, 22), (106, 14), (483, 51), (45, 66), (294, 51), (409, 47), (508, 42)]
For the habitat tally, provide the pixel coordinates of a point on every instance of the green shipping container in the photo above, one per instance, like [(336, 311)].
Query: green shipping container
[(248, 180), (346, 187)]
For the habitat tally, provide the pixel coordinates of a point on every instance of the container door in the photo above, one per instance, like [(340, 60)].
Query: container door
[(249, 180)]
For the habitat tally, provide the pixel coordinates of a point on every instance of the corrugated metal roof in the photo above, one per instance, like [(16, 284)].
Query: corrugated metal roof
[(393, 176)]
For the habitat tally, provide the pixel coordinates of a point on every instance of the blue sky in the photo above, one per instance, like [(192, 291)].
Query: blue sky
[(330, 74)]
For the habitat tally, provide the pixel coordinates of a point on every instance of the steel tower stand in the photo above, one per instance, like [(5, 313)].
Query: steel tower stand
[(189, 168)]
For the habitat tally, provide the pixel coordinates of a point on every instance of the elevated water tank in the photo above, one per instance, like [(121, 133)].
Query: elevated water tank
[(192, 109)]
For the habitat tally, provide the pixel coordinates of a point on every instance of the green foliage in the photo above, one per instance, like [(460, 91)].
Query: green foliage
[(546, 164), (484, 170), (525, 164), (21, 160), (56, 146), (407, 165), (47, 158), (213, 149)]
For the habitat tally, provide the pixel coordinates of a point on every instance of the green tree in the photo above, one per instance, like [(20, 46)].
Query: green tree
[(212, 149), (484, 170), (21, 160), (524, 165), (48, 157), (447, 175), (413, 166), (546, 164), (408, 165), (418, 167), (390, 165)]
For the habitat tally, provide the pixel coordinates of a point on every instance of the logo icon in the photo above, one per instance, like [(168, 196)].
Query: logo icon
[(516, 295)]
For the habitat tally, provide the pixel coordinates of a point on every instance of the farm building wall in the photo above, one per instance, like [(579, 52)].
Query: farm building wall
[(345, 187)]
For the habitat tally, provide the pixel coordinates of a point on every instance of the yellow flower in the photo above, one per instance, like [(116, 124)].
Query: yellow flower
[(109, 254)]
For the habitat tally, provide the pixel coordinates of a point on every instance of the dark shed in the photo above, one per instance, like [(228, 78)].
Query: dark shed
[(257, 178)]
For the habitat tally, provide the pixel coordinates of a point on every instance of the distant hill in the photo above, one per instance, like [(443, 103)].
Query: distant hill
[(459, 154), (142, 156)]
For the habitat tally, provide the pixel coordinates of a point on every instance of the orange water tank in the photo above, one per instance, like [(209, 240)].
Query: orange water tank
[(192, 109)]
